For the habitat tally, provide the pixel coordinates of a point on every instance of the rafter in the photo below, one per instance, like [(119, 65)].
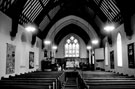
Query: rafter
[(6, 4), (109, 8), (51, 4)]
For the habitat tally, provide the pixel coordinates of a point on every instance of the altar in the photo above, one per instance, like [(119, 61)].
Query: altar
[(71, 64)]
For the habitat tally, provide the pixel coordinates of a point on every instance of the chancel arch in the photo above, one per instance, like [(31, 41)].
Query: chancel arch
[(71, 20), (71, 28)]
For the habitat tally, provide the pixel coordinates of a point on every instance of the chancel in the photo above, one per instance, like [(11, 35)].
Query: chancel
[(67, 44)]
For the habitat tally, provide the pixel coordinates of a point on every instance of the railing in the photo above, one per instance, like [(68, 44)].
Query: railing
[(52, 86), (61, 81), (81, 83)]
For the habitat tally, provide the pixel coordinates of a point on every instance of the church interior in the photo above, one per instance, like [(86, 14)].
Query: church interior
[(67, 44)]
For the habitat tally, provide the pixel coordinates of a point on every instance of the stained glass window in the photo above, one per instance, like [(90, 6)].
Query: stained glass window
[(72, 47)]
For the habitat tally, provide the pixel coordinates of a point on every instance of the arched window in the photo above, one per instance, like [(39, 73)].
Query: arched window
[(72, 47), (119, 50), (106, 53)]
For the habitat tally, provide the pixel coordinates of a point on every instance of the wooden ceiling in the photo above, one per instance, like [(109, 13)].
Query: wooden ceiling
[(44, 13)]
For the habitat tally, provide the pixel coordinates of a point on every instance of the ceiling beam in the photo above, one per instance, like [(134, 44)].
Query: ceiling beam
[(45, 11), (16, 9), (127, 10), (41, 3), (97, 9), (14, 12), (100, 2)]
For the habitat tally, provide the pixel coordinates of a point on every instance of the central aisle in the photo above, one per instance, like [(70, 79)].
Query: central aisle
[(71, 83)]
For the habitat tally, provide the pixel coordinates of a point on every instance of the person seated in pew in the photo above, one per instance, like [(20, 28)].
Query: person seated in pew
[(59, 67)]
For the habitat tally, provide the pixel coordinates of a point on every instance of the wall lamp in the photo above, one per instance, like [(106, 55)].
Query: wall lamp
[(30, 28), (95, 41), (109, 27), (47, 42), (54, 47), (89, 47)]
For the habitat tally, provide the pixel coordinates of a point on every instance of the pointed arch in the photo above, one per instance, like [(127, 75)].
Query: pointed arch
[(119, 50), (71, 20)]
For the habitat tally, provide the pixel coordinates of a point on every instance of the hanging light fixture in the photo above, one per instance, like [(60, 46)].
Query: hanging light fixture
[(54, 47), (95, 41), (47, 42), (89, 47), (109, 27), (30, 27)]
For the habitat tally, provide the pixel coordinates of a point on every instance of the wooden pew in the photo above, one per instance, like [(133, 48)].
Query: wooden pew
[(109, 81), (40, 80), (24, 87), (26, 83)]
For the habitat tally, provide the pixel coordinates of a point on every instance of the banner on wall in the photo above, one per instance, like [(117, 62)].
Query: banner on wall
[(10, 59), (131, 60), (31, 60)]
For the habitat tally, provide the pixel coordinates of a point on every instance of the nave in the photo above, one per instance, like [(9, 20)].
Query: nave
[(58, 35), (68, 80)]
